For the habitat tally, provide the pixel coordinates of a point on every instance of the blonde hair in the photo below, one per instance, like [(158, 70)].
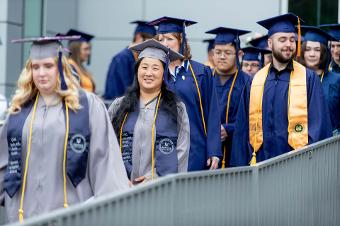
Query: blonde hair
[(26, 89)]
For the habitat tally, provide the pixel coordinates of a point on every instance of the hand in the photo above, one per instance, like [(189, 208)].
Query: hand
[(138, 180), (213, 162), (224, 134)]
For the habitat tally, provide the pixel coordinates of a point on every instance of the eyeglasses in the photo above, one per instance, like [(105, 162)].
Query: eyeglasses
[(250, 65), (225, 52)]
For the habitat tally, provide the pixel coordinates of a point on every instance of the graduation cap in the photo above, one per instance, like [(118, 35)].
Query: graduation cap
[(172, 25), (315, 34), (210, 43), (144, 27), (253, 53), (84, 37), (260, 42), (226, 35), (156, 50), (45, 47), (283, 23), (332, 29)]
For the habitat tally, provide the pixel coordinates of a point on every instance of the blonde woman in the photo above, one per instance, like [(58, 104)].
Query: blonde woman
[(58, 147)]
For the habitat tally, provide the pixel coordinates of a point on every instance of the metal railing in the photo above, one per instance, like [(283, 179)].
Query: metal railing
[(297, 188)]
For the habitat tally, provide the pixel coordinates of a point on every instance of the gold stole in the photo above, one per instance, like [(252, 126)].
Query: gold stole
[(297, 109)]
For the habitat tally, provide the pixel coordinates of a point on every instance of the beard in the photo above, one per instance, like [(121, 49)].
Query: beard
[(281, 58)]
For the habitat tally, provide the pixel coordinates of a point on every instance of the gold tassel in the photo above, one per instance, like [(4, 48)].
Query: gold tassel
[(299, 39), (21, 215), (253, 159)]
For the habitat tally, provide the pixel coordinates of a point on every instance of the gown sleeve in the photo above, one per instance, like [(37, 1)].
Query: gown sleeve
[(3, 159), (240, 145), (106, 169), (183, 142), (213, 118), (319, 123)]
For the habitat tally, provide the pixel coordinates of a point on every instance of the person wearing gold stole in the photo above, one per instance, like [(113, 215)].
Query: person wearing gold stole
[(58, 147), (283, 108)]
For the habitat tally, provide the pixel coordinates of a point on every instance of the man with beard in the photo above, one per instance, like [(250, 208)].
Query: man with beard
[(334, 30), (230, 81), (283, 108)]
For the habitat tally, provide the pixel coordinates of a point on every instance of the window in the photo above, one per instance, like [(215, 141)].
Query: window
[(315, 12)]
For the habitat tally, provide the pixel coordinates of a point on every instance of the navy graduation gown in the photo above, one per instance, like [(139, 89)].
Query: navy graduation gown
[(331, 88), (334, 67), (120, 74), (275, 120), (222, 95), (201, 146)]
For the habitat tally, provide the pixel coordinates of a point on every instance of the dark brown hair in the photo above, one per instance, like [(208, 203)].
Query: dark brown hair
[(323, 55)]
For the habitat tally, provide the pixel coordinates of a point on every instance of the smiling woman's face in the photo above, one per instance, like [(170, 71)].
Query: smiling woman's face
[(150, 75)]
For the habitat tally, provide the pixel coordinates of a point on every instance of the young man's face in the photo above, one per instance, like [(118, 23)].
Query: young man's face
[(335, 51), (283, 46), (225, 57), (250, 66)]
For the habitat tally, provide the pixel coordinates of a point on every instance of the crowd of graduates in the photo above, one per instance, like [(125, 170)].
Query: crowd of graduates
[(168, 113)]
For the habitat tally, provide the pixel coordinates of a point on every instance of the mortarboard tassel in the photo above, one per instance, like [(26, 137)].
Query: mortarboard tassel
[(237, 48), (183, 40), (253, 159), (60, 68), (299, 38)]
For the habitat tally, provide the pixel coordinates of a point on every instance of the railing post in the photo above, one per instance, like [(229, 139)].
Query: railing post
[(256, 198)]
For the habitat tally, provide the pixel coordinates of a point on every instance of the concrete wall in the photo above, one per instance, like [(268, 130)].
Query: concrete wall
[(11, 26), (109, 21)]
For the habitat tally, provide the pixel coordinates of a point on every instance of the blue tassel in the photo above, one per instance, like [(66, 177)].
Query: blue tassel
[(183, 40), (60, 68)]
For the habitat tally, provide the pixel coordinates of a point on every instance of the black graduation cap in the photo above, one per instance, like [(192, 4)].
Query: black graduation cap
[(315, 34), (44, 47), (144, 27), (172, 25), (332, 29), (84, 37)]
